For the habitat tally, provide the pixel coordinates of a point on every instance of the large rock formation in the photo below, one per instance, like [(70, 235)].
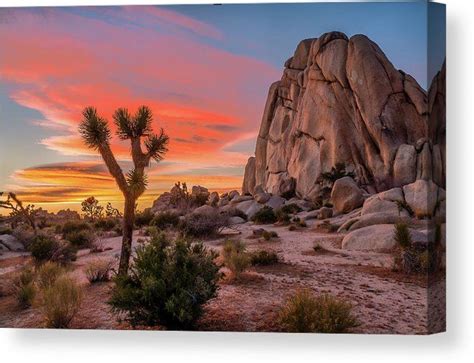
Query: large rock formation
[(340, 100)]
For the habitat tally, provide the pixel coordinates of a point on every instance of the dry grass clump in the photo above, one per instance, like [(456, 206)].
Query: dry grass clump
[(99, 270), (263, 258), (308, 313), (24, 288), (61, 302), (235, 257), (47, 274)]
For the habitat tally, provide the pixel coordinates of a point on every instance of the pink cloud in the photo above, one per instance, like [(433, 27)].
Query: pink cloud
[(57, 62)]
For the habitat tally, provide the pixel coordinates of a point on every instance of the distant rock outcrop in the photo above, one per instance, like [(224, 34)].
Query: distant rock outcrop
[(340, 100)]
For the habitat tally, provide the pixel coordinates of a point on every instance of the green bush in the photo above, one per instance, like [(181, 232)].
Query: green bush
[(106, 224), (291, 208), (144, 218), (306, 313), (264, 216), (168, 283), (47, 248), (61, 302), (203, 224), (263, 258), (268, 235), (43, 248), (165, 220), (282, 217), (235, 257), (81, 239), (24, 288), (74, 226), (5, 230), (99, 270), (402, 235)]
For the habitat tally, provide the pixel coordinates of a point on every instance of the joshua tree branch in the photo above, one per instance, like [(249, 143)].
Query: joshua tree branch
[(114, 168)]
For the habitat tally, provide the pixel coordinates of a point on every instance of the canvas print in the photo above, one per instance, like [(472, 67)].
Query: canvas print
[(257, 167)]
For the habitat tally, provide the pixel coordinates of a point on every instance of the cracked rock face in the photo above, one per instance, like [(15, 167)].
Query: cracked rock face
[(340, 100)]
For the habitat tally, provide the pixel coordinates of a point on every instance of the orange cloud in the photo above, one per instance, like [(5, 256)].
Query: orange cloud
[(66, 185)]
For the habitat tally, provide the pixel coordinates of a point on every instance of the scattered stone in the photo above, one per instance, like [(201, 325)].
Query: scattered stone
[(236, 220), (378, 238), (346, 195), (275, 202), (262, 198), (213, 199), (422, 197), (378, 218), (204, 209), (10, 243), (233, 194)]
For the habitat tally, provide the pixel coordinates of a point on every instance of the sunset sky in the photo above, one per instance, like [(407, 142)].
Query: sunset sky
[(204, 71)]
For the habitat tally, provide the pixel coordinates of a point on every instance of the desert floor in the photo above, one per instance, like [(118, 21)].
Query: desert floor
[(383, 301)]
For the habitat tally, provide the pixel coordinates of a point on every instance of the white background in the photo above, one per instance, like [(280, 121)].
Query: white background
[(456, 345)]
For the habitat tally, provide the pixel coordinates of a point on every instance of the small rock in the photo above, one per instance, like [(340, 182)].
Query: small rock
[(422, 197), (275, 202), (346, 195), (214, 199), (204, 209), (236, 220), (262, 198)]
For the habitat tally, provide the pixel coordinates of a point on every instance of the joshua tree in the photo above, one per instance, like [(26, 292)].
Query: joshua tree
[(91, 208), (96, 134), (18, 211)]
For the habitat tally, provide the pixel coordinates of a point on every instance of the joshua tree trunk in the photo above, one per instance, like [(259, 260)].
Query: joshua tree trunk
[(128, 222), (96, 134)]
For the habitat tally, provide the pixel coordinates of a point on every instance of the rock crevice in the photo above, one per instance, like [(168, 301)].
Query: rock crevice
[(353, 107)]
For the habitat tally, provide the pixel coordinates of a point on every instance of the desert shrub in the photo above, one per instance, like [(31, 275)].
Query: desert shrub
[(263, 258), (47, 248), (292, 228), (99, 270), (266, 215), (47, 274), (43, 248), (302, 223), (268, 235), (291, 208), (402, 235), (165, 220), (282, 217), (118, 229), (5, 230), (24, 288), (168, 283), (81, 239), (106, 224), (306, 313), (74, 226), (144, 218), (203, 224), (61, 302), (409, 258), (235, 257)]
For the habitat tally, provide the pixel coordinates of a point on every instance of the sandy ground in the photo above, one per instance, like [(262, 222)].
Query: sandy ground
[(383, 301)]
